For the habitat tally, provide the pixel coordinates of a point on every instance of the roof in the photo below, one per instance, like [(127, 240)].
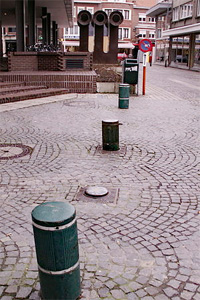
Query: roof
[(60, 10)]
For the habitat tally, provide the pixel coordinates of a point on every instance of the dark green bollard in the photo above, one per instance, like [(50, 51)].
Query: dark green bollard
[(56, 242), (124, 91), (110, 135)]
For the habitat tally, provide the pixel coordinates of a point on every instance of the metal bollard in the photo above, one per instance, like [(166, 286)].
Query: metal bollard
[(56, 243), (110, 135), (124, 91)]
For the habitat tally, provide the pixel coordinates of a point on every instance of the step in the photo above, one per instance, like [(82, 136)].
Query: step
[(17, 89), (4, 84), (20, 96)]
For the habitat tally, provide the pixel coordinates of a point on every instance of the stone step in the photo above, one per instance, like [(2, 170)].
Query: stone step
[(10, 84), (17, 89), (26, 95)]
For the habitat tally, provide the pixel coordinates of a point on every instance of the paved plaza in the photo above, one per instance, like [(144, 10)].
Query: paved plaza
[(146, 243)]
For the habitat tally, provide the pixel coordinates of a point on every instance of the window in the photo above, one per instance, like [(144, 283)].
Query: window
[(108, 11), (198, 8), (11, 29), (120, 33), (151, 35), (120, 10), (159, 33), (143, 33), (142, 18), (91, 30), (180, 50), (123, 33), (117, 0), (80, 9), (186, 10), (91, 10), (126, 14), (197, 51), (152, 20), (175, 14), (73, 32)]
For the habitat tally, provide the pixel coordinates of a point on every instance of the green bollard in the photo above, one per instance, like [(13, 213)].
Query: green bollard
[(110, 135), (124, 91), (56, 243)]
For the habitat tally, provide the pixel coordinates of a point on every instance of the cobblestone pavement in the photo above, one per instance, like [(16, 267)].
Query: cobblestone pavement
[(144, 246)]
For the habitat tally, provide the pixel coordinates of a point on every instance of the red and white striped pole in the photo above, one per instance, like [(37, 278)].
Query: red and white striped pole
[(144, 73)]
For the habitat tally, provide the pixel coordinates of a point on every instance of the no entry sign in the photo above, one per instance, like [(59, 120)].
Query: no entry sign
[(145, 45)]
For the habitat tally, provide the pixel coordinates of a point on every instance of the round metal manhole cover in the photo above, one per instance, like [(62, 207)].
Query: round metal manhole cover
[(96, 191), (10, 151)]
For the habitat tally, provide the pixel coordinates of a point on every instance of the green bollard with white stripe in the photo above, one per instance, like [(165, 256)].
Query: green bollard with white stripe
[(124, 91), (56, 243)]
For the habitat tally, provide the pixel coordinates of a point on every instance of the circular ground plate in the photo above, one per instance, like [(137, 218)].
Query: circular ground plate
[(10, 151), (96, 191)]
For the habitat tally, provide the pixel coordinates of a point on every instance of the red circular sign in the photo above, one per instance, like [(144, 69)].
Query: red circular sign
[(145, 45)]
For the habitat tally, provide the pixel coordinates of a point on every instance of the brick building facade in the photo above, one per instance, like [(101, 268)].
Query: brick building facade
[(177, 33)]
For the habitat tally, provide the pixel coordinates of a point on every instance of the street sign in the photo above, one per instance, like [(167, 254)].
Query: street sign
[(145, 45)]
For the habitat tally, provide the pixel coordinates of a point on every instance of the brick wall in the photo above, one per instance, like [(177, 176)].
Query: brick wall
[(48, 61), (74, 81), (22, 61), (86, 57)]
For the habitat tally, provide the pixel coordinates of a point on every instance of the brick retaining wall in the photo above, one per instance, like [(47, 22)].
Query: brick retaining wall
[(74, 81), (49, 61), (19, 61)]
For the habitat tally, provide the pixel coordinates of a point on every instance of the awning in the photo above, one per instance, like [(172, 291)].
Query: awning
[(158, 9), (71, 43), (194, 28), (126, 45)]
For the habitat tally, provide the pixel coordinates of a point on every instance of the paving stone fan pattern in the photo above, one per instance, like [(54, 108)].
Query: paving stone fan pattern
[(145, 245)]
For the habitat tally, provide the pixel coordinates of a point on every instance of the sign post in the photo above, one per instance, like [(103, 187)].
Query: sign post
[(145, 45)]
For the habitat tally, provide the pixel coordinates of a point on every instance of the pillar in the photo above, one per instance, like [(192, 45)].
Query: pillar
[(48, 28), (31, 22), (20, 24), (54, 41), (170, 50), (44, 25), (1, 45), (191, 50), (56, 34)]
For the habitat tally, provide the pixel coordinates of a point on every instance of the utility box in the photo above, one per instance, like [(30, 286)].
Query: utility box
[(130, 71)]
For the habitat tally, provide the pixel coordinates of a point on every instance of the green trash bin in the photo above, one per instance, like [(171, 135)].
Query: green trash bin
[(56, 243), (130, 71), (124, 91)]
